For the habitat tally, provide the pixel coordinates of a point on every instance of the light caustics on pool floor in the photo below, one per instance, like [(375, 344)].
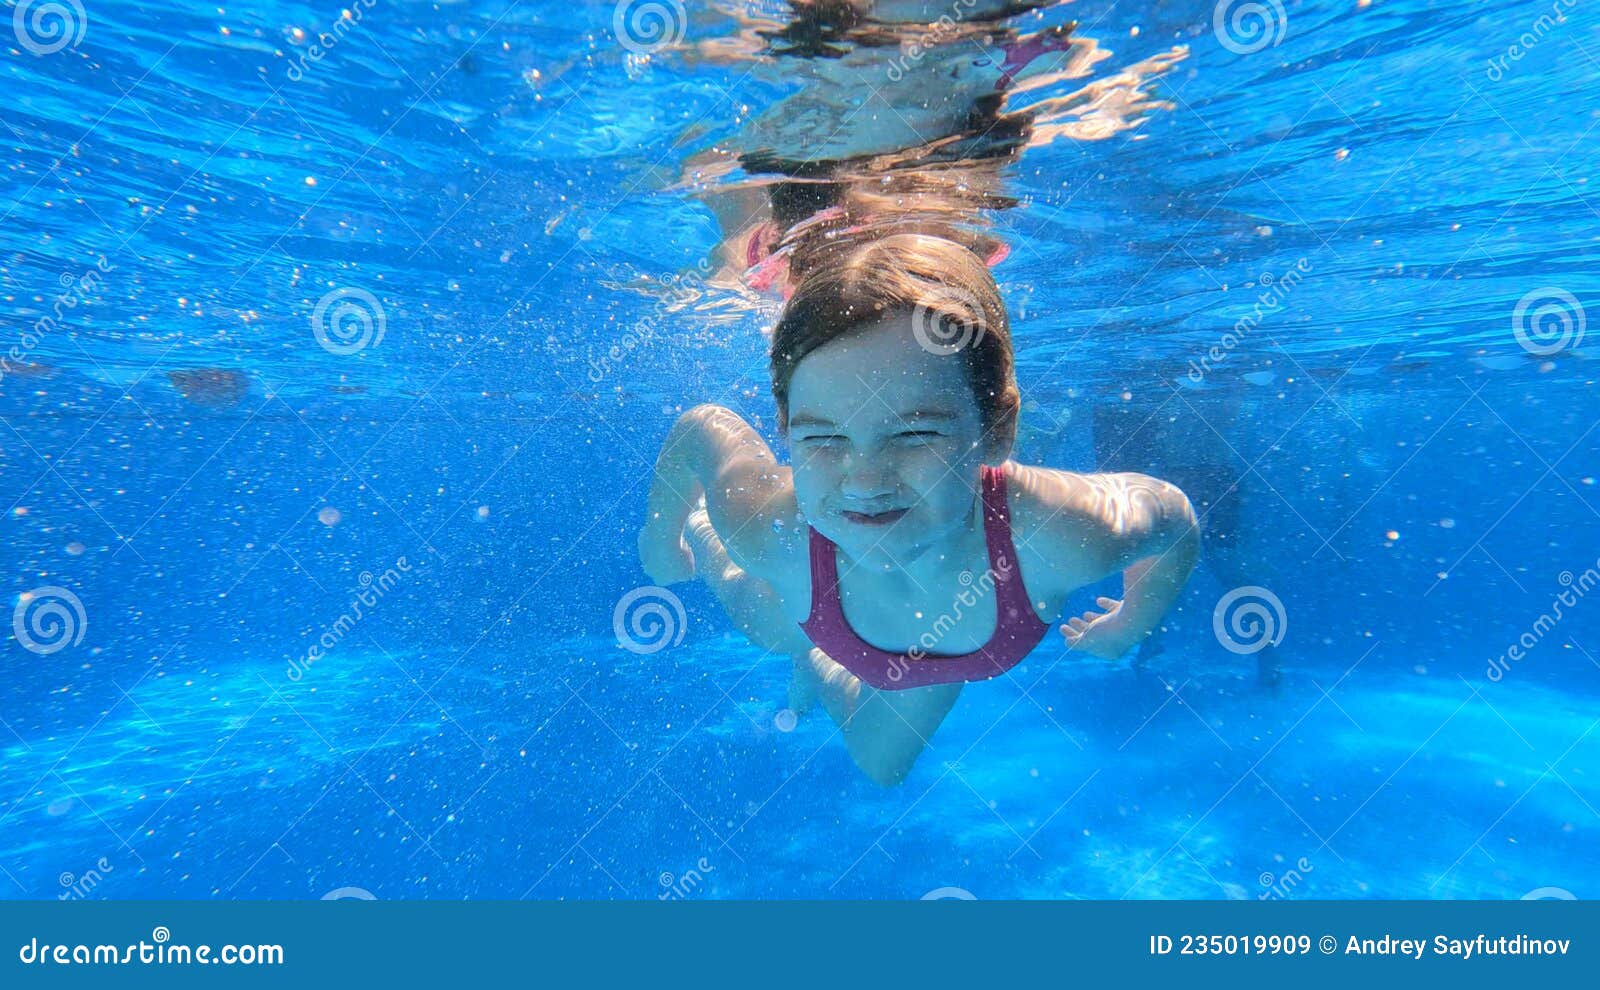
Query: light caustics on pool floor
[(1090, 784)]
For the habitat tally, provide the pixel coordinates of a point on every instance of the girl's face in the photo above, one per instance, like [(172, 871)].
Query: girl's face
[(887, 442)]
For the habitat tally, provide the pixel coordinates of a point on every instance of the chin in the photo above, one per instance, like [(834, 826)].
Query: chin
[(894, 546)]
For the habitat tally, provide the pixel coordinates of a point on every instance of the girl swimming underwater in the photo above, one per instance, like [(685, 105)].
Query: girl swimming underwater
[(903, 554)]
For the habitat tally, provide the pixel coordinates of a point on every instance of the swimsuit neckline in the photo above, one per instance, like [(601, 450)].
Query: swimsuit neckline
[(1018, 629)]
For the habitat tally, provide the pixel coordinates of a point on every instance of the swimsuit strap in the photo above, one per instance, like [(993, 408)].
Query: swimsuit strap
[(997, 529)]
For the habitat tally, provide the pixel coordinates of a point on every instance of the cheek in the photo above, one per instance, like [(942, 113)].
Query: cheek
[(947, 496), (928, 467), (940, 480), (812, 480), (818, 465)]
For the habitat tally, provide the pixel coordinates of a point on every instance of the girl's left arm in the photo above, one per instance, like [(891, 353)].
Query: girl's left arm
[(1099, 524)]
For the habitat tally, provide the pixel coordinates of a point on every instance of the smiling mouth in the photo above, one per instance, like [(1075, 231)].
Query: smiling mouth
[(884, 518)]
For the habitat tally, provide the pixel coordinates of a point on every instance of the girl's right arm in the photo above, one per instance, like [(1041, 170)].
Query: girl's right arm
[(710, 452)]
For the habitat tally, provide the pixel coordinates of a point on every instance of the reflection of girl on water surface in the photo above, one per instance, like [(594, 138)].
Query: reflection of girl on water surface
[(906, 115), (903, 553)]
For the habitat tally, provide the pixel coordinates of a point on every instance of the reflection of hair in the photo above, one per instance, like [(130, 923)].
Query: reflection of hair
[(831, 28), (948, 202), (818, 28), (939, 283)]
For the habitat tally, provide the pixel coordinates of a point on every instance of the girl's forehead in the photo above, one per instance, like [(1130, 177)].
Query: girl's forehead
[(863, 387), (888, 350)]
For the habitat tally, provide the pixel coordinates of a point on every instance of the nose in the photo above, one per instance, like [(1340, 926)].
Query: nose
[(866, 478)]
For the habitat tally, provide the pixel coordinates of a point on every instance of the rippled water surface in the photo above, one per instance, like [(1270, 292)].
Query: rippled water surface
[(358, 333)]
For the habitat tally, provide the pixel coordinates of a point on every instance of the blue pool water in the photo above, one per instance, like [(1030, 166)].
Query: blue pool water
[(201, 482)]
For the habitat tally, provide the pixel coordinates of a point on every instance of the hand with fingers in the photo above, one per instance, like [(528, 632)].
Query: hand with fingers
[(1100, 634)]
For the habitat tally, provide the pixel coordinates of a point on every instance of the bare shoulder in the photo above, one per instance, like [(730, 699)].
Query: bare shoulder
[(1054, 501), (1075, 525)]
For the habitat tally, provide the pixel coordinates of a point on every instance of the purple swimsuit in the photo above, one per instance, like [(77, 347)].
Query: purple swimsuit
[(1018, 628)]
